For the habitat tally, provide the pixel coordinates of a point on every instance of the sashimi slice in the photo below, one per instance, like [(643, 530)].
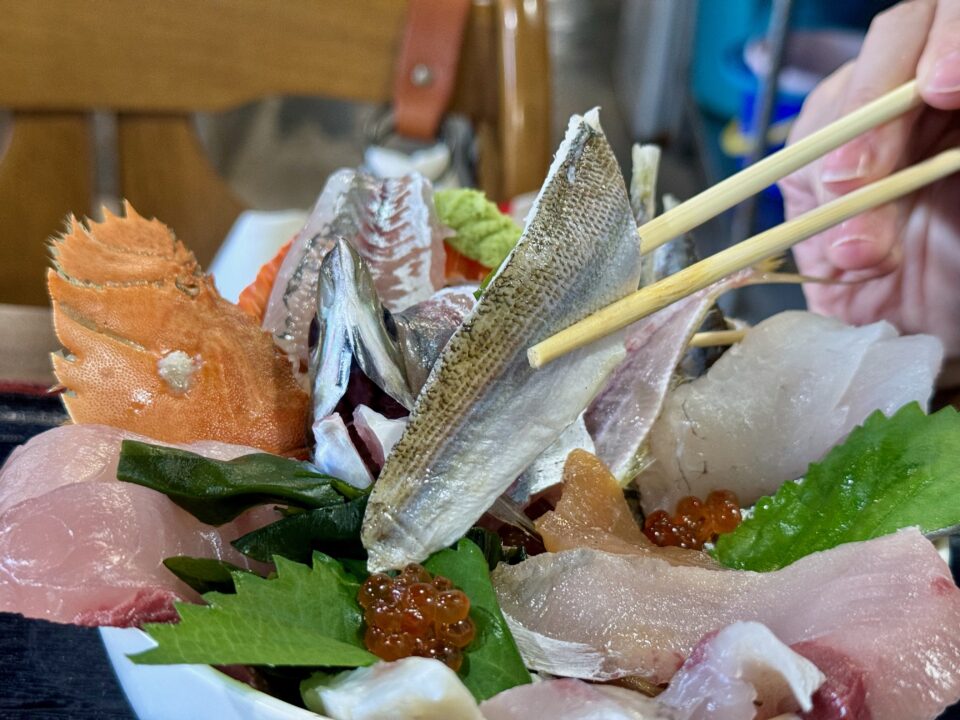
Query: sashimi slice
[(593, 513), (889, 603), (424, 329), (253, 298), (81, 453), (779, 400), (413, 688), (546, 471), (621, 416), (566, 699), (293, 298), (742, 672), (91, 553), (378, 433), (336, 455)]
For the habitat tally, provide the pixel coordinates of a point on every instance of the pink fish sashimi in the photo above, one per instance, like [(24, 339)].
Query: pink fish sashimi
[(777, 401), (742, 672), (78, 546), (81, 453), (620, 417), (567, 699), (889, 604), (391, 223)]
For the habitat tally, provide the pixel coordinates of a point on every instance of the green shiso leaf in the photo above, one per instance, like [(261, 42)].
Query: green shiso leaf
[(204, 574), (483, 233), (334, 529), (492, 663), (305, 616), (216, 491), (890, 473)]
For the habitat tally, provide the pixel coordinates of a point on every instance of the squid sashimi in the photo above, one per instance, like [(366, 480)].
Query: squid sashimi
[(890, 604), (593, 513), (154, 349), (78, 546), (777, 401), (484, 414)]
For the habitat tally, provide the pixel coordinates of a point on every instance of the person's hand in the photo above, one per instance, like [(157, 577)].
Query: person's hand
[(910, 248)]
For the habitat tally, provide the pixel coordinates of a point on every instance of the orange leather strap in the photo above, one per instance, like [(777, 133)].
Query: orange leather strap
[(427, 66)]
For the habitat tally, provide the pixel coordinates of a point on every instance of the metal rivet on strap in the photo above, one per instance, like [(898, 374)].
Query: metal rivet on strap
[(421, 75)]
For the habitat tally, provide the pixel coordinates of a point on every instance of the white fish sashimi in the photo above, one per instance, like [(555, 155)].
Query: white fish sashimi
[(621, 416), (484, 413), (424, 329), (742, 672), (889, 603), (413, 688), (379, 433), (82, 453), (779, 400), (567, 699), (77, 545), (336, 455)]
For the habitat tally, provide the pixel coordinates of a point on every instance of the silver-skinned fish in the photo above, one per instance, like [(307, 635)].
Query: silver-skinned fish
[(484, 413)]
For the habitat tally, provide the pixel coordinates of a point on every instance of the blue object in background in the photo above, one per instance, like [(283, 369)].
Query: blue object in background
[(724, 26)]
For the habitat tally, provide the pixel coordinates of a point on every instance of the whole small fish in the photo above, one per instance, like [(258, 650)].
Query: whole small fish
[(484, 414), (396, 351), (353, 325), (393, 226)]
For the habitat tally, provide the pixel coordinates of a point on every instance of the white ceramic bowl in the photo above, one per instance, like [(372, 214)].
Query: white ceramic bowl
[(187, 692)]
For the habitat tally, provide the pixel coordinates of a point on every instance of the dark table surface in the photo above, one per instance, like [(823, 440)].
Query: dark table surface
[(61, 671)]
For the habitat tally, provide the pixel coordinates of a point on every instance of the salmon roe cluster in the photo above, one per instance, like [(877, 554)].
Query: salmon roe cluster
[(416, 613), (695, 522)]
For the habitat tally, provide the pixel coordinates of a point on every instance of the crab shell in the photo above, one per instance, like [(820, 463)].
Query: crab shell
[(152, 347)]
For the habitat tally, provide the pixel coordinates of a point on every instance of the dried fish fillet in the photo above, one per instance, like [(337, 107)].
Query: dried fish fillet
[(484, 414)]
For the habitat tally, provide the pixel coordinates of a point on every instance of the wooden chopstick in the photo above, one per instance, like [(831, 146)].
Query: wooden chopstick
[(736, 188), (713, 338), (740, 256)]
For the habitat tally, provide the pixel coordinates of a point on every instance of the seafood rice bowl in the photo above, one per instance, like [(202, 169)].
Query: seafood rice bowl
[(349, 495)]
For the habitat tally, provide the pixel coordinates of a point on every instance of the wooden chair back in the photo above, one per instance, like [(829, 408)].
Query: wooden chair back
[(155, 63)]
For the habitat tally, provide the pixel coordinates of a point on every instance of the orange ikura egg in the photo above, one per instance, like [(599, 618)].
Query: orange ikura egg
[(416, 613)]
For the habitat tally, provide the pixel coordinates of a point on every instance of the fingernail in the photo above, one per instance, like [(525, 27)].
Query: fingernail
[(850, 162), (848, 240), (945, 76)]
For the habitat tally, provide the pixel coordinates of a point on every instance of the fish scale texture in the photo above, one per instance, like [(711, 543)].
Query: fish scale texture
[(484, 414)]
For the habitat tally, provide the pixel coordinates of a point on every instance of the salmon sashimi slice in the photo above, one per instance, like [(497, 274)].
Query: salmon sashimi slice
[(156, 350), (593, 513), (253, 298)]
